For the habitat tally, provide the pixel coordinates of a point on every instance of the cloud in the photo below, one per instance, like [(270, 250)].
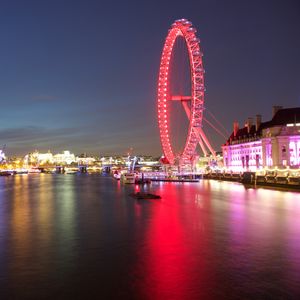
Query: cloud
[(34, 133), (21, 140)]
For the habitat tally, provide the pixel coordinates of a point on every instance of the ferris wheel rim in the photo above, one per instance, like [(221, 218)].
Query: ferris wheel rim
[(182, 28)]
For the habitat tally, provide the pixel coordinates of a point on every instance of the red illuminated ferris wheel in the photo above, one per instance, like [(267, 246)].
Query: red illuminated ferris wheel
[(193, 104)]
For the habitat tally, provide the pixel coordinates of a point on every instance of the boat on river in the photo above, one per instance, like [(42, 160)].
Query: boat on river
[(21, 171), (142, 195), (5, 173), (128, 178), (34, 170)]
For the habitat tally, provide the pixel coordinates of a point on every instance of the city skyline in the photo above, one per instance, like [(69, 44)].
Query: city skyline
[(83, 75)]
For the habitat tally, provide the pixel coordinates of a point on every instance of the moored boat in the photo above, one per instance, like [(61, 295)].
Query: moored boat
[(21, 171), (34, 170), (5, 173), (71, 171), (117, 175), (128, 178)]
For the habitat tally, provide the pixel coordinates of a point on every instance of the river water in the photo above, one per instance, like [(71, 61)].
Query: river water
[(84, 237)]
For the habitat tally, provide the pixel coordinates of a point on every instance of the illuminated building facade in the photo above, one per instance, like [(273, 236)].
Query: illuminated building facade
[(85, 160), (44, 158), (64, 158), (36, 158), (2, 156), (275, 143)]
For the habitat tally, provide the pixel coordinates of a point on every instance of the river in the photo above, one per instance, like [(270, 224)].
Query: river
[(83, 237)]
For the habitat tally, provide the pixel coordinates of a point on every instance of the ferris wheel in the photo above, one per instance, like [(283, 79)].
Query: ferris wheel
[(192, 104)]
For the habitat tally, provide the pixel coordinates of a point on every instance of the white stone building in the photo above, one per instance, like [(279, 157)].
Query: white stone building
[(275, 143)]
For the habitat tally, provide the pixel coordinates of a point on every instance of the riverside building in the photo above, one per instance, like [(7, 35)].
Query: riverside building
[(260, 145), (36, 158)]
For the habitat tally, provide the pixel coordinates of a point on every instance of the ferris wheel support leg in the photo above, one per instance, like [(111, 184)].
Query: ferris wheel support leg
[(200, 133), (201, 143), (203, 136), (188, 112)]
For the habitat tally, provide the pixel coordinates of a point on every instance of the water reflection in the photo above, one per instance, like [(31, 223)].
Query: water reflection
[(172, 261), (73, 235), (20, 222)]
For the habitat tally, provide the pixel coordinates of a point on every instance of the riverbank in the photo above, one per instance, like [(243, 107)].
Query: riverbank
[(250, 178)]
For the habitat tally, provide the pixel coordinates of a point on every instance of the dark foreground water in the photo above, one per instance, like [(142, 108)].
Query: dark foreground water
[(84, 237)]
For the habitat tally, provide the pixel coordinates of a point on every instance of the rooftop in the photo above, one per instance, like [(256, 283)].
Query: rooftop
[(282, 117)]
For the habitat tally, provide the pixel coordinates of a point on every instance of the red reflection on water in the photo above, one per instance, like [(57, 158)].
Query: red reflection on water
[(173, 266)]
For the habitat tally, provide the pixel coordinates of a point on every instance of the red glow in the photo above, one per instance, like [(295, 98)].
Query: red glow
[(170, 262), (182, 28)]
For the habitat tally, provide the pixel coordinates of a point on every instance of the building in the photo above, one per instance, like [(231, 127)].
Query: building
[(85, 160), (275, 143), (64, 158), (36, 158), (2, 156), (40, 159)]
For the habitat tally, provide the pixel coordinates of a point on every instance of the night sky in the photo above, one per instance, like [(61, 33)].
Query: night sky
[(82, 75)]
